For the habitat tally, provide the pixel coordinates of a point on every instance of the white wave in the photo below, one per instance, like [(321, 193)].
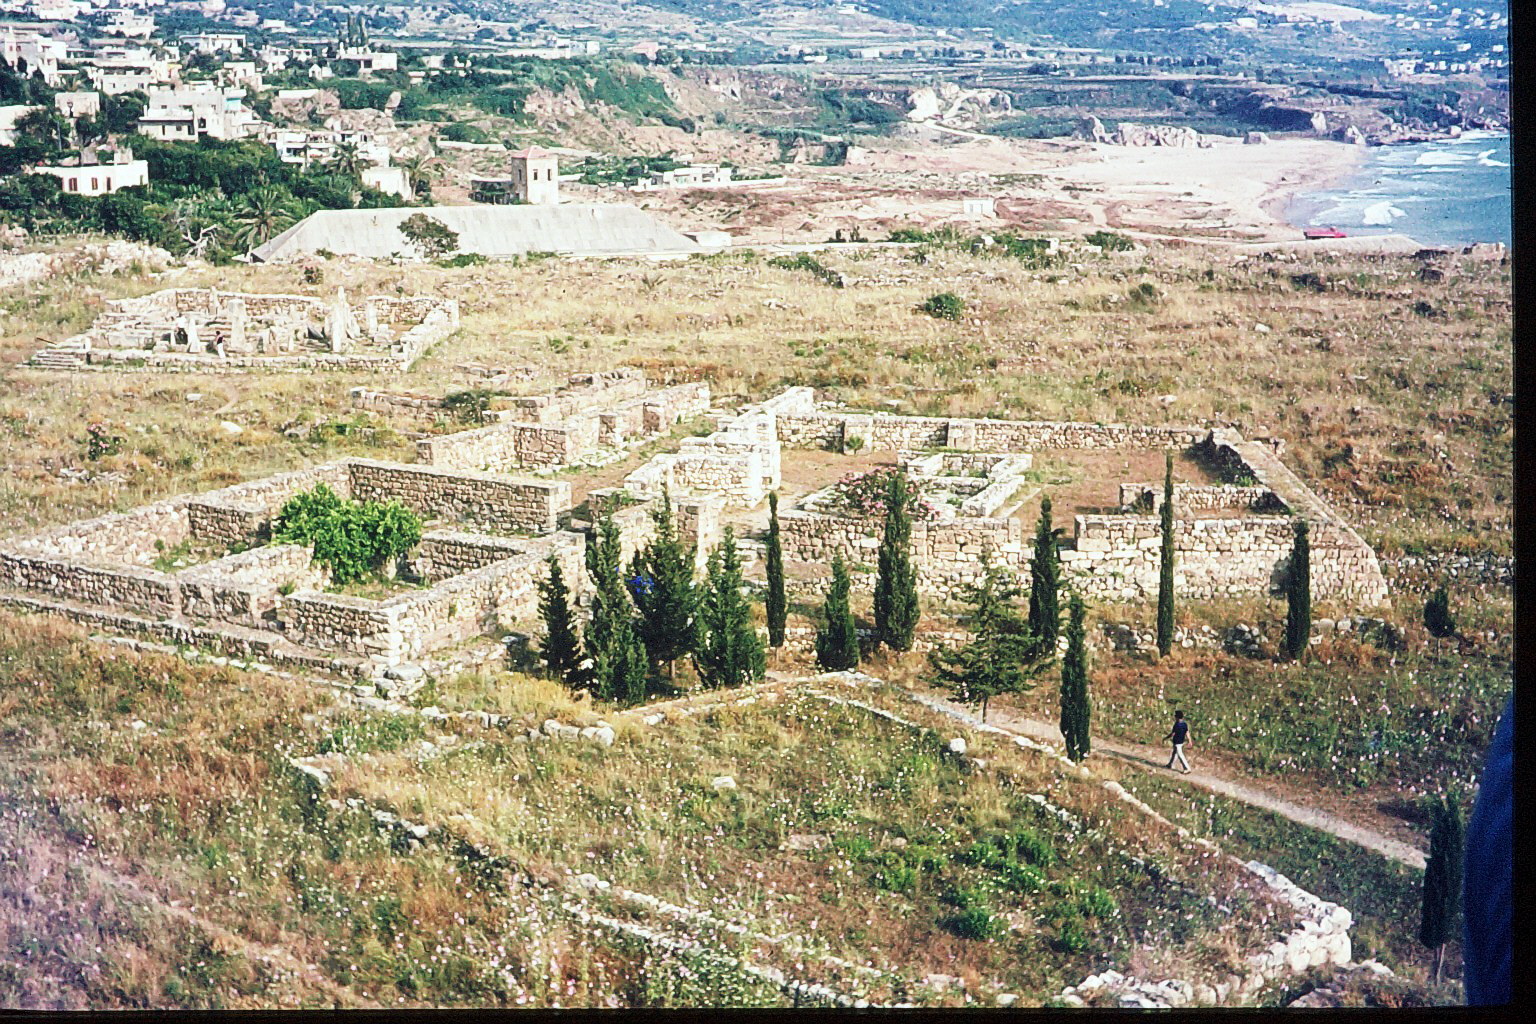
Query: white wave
[(1378, 214), (1484, 158), (1438, 157)]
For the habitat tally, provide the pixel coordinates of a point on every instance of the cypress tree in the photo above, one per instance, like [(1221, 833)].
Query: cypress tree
[(727, 651), (896, 611), (1298, 594), (661, 583), (1001, 656), (777, 604), (618, 668), (1165, 568), (1075, 706), (1045, 585), (1438, 619), (561, 652), (837, 641), (1442, 879)]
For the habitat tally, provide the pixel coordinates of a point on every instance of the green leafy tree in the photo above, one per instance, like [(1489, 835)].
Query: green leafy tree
[(431, 237), (420, 169), (1001, 656), (1298, 596), (727, 651), (265, 213), (1076, 709), (1438, 619), (561, 652), (1165, 567), (1442, 879), (353, 539), (777, 603), (348, 161), (618, 664), (837, 639), (1045, 584), (661, 583), (896, 608)]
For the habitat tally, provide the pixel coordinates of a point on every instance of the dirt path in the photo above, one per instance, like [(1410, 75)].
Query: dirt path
[(1154, 759)]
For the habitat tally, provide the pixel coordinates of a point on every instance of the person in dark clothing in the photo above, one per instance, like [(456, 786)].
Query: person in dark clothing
[(1179, 734), (1487, 897)]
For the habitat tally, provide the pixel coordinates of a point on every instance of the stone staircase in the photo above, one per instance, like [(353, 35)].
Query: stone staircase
[(58, 358)]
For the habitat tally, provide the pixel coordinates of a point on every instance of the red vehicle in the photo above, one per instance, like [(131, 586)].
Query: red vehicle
[(1324, 233)]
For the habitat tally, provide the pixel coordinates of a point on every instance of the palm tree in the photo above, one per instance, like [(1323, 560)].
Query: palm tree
[(420, 169), (348, 160), (266, 212)]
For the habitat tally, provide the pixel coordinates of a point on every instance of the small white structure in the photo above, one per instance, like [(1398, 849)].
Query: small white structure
[(9, 115), (693, 175), (98, 172), (130, 24), (388, 179), (77, 104), (535, 176), (215, 42), (40, 53), (370, 60), (979, 207)]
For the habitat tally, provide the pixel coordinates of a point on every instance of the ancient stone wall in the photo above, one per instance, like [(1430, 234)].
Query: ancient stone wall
[(443, 553), (241, 513), (129, 587), (1201, 498), (834, 431), (245, 587), (490, 502), (133, 537)]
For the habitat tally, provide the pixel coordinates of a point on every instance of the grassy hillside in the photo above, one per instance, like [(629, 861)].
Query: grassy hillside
[(854, 853)]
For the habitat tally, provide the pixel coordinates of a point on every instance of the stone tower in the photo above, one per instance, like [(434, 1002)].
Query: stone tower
[(535, 176)]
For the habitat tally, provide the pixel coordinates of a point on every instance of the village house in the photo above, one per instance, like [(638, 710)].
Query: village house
[(33, 52), (214, 42), (98, 172), (77, 104), (131, 24), (192, 113), (9, 115)]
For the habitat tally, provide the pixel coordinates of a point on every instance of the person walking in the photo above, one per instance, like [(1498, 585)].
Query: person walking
[(1179, 734)]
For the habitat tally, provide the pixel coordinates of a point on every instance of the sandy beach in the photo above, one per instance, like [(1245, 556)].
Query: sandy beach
[(1228, 189)]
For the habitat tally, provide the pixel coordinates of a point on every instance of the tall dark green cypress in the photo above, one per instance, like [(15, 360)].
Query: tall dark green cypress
[(1298, 595), (561, 652), (777, 605), (1165, 567), (727, 651), (1001, 656), (1076, 709), (618, 670), (837, 640), (1437, 615), (1045, 585), (661, 583), (1442, 879), (896, 611)]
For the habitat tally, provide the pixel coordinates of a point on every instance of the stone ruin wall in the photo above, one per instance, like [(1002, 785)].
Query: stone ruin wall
[(500, 595), (124, 336), (1112, 557), (556, 430), (244, 588), (491, 502), (1202, 498)]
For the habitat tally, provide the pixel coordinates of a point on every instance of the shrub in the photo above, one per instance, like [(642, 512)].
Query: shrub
[(352, 539), (431, 237), (464, 259), (805, 261), (1071, 936), (1109, 241), (864, 494), (99, 442), (944, 306), (978, 922)]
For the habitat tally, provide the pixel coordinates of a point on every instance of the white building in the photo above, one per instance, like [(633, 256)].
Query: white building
[(9, 115), (368, 60), (77, 104), (215, 42), (98, 172), (189, 114), (130, 24), (37, 52), (535, 176), (114, 70), (693, 175)]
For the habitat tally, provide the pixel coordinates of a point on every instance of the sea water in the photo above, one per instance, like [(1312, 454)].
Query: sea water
[(1450, 192)]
